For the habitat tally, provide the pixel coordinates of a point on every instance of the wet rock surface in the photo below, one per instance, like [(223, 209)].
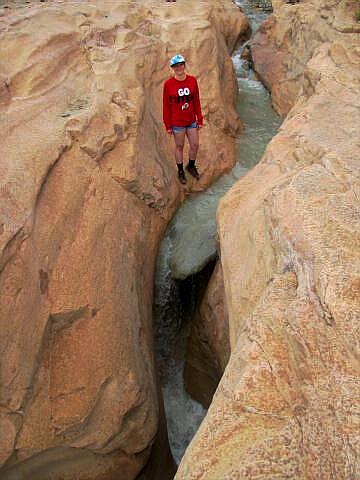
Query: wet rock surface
[(208, 346)]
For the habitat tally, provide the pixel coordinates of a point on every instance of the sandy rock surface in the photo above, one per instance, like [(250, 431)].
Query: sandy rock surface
[(287, 405), (88, 183)]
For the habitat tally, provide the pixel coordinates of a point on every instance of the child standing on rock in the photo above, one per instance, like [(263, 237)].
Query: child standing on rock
[(182, 114)]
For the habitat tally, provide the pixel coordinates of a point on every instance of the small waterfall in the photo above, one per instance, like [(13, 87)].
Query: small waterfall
[(183, 414)]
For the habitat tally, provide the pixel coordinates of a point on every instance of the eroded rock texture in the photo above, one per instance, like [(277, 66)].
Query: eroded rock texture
[(88, 184), (287, 40), (287, 405)]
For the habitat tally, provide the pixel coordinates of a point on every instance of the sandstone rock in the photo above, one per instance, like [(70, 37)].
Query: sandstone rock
[(290, 239), (287, 40), (88, 183)]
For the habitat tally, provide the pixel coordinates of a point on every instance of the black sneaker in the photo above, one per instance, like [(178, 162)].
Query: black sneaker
[(193, 171), (182, 177)]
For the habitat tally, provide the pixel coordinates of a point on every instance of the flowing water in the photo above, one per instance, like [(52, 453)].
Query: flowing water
[(190, 243)]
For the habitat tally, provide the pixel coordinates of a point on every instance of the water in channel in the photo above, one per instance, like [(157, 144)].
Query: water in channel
[(190, 244)]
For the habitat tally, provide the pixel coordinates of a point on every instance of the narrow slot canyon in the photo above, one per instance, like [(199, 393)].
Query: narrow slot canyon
[(190, 319), (153, 330)]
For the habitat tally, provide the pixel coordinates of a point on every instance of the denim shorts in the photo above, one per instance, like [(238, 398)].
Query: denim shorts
[(182, 129)]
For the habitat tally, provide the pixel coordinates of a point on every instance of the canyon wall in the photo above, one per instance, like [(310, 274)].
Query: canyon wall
[(88, 184), (289, 234)]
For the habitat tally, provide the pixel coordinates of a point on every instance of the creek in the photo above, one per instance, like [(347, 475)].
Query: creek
[(190, 244)]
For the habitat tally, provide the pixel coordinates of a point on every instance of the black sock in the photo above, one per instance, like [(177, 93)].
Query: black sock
[(191, 163), (180, 167)]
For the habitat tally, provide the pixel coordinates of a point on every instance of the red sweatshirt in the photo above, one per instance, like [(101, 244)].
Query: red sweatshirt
[(181, 102)]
